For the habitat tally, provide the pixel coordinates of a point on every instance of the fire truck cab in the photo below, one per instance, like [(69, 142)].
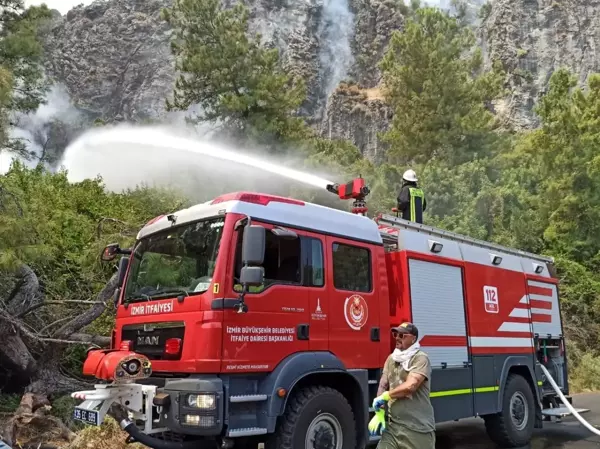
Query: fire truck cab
[(257, 318)]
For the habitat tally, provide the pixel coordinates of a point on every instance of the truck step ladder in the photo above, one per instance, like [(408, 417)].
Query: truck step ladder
[(246, 432), (390, 227), (561, 412)]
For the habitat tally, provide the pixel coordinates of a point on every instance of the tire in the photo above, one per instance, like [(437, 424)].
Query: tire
[(316, 417), (501, 428)]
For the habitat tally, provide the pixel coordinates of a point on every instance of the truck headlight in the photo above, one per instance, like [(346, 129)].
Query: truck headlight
[(199, 421), (202, 401)]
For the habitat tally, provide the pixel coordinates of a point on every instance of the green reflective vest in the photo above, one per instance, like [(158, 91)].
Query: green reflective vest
[(417, 198)]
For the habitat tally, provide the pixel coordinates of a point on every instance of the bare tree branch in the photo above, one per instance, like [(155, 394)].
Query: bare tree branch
[(113, 220), (92, 313), (98, 340), (29, 292), (47, 303)]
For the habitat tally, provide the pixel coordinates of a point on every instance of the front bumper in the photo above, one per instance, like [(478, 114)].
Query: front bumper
[(149, 409), (205, 417)]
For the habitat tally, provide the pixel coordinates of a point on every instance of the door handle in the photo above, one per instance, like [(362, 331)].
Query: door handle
[(302, 331), (375, 334)]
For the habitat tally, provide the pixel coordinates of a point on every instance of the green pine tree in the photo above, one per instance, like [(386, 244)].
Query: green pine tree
[(230, 75), (433, 78), (23, 86)]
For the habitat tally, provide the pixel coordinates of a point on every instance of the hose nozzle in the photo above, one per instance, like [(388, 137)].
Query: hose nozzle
[(333, 188)]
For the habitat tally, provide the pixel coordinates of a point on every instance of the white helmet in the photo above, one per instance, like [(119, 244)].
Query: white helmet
[(410, 175)]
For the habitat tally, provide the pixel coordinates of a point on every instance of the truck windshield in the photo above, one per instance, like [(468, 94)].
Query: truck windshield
[(180, 261)]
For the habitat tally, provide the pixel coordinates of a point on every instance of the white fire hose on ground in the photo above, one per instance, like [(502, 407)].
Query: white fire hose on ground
[(567, 404)]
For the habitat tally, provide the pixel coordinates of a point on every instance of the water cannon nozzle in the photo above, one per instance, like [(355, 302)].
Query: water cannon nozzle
[(333, 188), (354, 190)]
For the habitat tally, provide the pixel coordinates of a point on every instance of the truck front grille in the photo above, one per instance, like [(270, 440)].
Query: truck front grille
[(149, 339)]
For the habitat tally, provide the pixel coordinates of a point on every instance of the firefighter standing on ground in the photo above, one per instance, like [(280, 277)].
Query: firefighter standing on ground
[(411, 199), (405, 387)]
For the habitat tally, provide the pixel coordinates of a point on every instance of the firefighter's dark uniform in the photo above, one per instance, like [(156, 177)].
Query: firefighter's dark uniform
[(411, 202)]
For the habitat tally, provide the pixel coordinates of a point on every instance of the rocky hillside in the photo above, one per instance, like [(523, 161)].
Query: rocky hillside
[(533, 38), (113, 56)]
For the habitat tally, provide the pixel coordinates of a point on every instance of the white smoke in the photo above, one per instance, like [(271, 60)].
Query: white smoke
[(33, 129), (336, 32)]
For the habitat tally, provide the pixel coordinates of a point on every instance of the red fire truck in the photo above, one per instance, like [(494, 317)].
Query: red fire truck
[(256, 318)]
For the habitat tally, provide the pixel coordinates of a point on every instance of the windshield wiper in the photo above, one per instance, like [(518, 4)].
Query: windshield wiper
[(165, 292), (136, 296), (168, 291)]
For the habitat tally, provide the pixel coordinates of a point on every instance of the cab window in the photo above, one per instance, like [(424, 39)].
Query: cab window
[(287, 261), (351, 268), (314, 263)]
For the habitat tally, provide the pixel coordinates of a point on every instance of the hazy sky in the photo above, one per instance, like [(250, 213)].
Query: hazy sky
[(62, 5)]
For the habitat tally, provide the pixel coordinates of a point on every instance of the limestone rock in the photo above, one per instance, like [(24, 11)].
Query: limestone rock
[(358, 115), (375, 22), (114, 58), (534, 38)]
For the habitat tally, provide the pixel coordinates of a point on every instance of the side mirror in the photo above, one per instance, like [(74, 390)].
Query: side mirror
[(253, 245), (253, 256), (110, 252), (252, 276)]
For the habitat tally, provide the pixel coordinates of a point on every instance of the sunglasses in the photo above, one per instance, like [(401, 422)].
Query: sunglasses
[(396, 334)]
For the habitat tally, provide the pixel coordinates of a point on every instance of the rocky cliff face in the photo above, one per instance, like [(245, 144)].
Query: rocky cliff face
[(375, 21), (114, 60), (535, 37), (358, 115), (114, 57)]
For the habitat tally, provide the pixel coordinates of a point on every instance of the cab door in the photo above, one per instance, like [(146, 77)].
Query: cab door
[(314, 261), (277, 322), (354, 310)]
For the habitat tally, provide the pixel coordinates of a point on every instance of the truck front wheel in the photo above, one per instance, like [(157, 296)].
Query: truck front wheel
[(513, 425), (316, 417)]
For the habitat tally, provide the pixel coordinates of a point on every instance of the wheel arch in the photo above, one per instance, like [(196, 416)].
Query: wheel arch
[(349, 386), (317, 368), (522, 366)]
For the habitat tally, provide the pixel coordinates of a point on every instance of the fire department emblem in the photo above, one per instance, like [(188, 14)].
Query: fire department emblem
[(356, 312)]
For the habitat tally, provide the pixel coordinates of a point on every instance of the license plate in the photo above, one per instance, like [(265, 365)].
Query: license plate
[(86, 416)]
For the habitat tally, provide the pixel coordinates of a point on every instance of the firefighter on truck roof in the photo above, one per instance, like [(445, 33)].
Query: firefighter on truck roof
[(411, 199), (405, 387)]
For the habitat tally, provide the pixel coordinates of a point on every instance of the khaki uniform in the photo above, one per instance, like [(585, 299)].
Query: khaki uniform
[(410, 422)]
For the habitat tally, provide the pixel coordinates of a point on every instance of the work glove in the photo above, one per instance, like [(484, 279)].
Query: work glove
[(380, 401), (377, 423)]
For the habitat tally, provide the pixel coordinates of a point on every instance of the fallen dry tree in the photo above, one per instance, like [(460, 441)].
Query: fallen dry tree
[(55, 295), (33, 423), (33, 348)]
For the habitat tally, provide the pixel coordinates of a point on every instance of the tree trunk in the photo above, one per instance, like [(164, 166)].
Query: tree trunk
[(33, 358), (33, 424), (31, 361)]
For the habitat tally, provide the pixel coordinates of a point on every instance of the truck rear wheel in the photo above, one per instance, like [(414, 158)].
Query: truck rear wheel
[(513, 425), (316, 417)]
